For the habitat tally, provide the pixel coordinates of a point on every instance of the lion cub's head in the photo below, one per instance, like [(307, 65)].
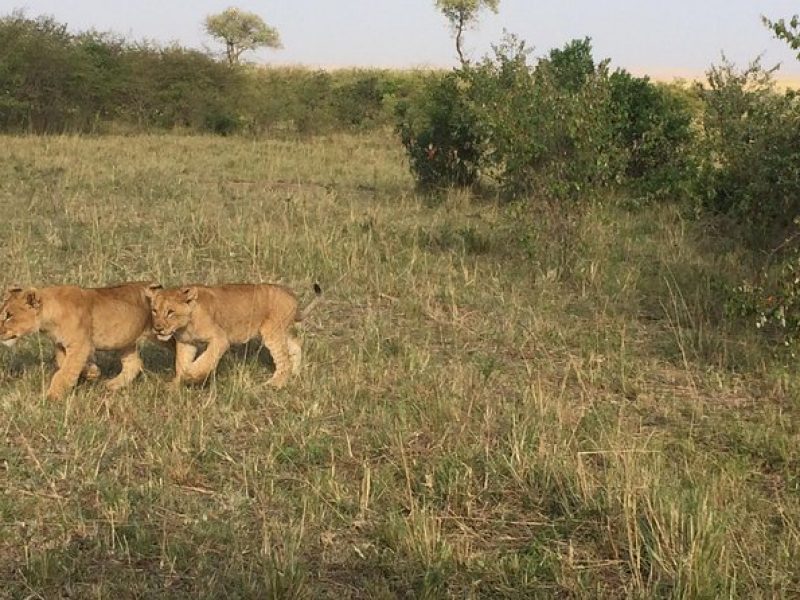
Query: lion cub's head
[(171, 309), (19, 314)]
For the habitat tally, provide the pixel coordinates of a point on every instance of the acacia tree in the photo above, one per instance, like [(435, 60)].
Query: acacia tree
[(463, 14), (241, 31)]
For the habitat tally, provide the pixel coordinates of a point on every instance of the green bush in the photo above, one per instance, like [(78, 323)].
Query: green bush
[(358, 102), (222, 123), (772, 301), (654, 125), (440, 132), (750, 172), (553, 121), (40, 79), (174, 87), (559, 128), (750, 166)]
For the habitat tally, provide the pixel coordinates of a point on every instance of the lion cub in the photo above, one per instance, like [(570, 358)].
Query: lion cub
[(80, 321), (219, 316)]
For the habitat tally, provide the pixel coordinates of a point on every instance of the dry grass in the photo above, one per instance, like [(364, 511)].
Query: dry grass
[(494, 404)]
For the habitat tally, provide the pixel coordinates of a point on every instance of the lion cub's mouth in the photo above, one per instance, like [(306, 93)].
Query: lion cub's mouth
[(9, 343), (164, 337)]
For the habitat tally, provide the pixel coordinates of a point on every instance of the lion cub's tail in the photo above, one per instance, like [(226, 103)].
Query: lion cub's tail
[(302, 314)]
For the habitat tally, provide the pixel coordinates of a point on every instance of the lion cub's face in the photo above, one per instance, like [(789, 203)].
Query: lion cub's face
[(19, 314), (171, 310)]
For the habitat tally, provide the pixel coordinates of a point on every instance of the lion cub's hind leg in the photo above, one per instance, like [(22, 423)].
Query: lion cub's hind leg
[(275, 336), (131, 367), (295, 353)]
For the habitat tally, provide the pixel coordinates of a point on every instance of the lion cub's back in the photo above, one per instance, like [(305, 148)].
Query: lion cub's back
[(240, 309), (120, 314)]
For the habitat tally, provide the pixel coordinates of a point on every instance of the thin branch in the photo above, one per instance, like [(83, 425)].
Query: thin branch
[(459, 32)]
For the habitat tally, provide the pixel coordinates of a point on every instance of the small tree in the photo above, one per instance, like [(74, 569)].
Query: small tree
[(463, 14), (241, 31)]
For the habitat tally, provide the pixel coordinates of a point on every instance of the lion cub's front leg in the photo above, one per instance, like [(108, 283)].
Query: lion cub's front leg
[(72, 363), (202, 367), (91, 371), (184, 355)]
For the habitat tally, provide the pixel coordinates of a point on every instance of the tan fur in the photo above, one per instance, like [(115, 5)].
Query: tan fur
[(80, 321), (219, 316)]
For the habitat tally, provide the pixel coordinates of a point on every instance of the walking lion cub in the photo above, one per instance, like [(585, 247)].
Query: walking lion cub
[(80, 321), (219, 316)]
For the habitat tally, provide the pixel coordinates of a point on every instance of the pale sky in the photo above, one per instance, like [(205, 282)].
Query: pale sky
[(660, 38)]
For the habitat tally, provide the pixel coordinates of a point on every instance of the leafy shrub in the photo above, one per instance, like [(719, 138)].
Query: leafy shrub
[(560, 128), (545, 127), (569, 68), (175, 87), (359, 102), (750, 165), (773, 303), (654, 125), (750, 170), (38, 76), (313, 109), (222, 123), (440, 133)]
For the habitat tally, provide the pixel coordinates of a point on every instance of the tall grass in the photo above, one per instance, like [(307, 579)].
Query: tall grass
[(493, 404)]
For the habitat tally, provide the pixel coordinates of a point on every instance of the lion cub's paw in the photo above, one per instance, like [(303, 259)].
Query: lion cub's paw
[(277, 382), (115, 384), (91, 373), (195, 376), (55, 393)]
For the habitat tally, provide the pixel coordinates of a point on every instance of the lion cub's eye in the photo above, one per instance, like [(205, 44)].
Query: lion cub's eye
[(170, 312)]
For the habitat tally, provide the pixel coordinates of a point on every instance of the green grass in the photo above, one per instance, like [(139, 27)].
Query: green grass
[(496, 401)]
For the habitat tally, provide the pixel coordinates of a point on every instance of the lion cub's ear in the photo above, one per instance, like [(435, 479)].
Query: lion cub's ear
[(11, 290), (33, 298), (151, 289), (190, 293)]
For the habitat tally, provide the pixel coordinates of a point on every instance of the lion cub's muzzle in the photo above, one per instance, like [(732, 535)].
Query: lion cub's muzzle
[(162, 334)]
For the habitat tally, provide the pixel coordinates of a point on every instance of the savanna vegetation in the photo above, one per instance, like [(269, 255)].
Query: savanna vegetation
[(537, 371), (56, 81)]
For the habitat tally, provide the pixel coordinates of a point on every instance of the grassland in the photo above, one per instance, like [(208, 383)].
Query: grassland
[(498, 402)]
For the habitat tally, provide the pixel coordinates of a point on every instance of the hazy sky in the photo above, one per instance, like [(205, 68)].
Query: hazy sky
[(657, 37)]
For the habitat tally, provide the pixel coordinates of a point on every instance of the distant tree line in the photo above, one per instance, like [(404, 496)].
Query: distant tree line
[(54, 81)]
